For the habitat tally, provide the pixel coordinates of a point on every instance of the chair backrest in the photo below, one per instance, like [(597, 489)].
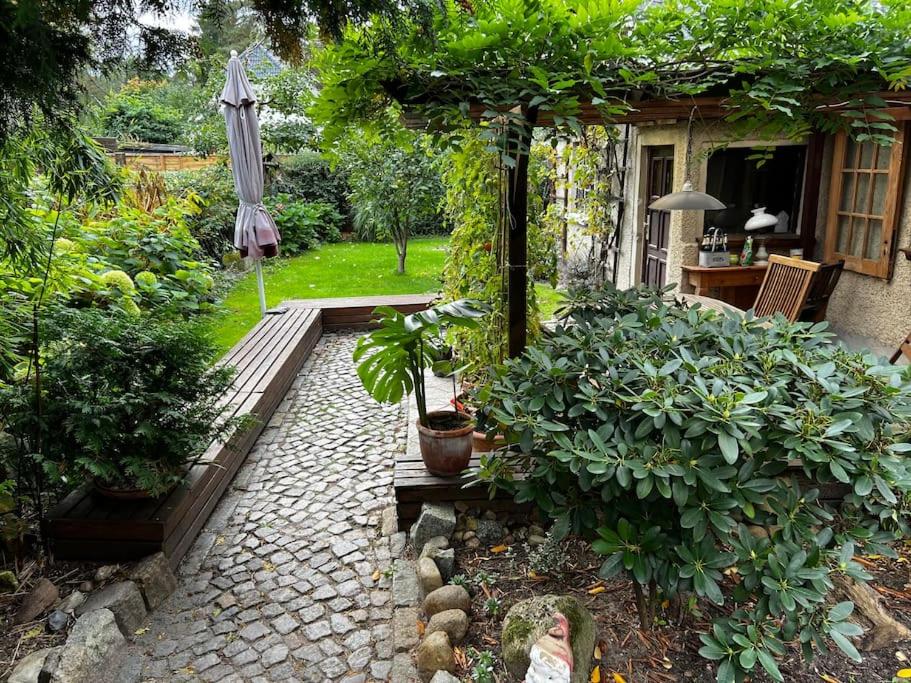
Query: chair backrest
[(828, 275), (903, 349), (785, 287)]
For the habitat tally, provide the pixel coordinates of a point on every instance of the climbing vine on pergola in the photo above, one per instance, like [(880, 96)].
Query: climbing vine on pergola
[(777, 68)]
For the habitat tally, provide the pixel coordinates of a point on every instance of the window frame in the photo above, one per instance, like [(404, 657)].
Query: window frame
[(882, 266)]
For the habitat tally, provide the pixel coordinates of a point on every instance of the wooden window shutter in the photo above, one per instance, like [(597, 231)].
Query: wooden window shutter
[(865, 195)]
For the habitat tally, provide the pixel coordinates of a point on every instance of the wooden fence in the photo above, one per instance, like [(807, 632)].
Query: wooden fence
[(163, 162)]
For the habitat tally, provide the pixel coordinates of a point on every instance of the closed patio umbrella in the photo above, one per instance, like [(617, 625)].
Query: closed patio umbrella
[(255, 234)]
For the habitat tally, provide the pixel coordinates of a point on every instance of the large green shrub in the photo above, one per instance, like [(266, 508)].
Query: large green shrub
[(157, 243), (136, 113), (671, 436), (212, 188), (308, 177), (303, 225), (129, 401)]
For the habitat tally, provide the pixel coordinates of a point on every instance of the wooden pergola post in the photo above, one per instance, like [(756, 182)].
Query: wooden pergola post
[(520, 138)]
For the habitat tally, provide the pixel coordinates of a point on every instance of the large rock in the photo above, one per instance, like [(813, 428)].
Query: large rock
[(447, 597), (444, 677), (429, 575), (38, 600), (445, 560), (406, 590), (155, 579), (69, 604), (489, 531), (453, 622), (529, 620), (94, 640), (124, 600), (434, 654), (29, 667), (436, 519)]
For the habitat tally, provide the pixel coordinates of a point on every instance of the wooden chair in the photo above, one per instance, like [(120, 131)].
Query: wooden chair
[(903, 350), (814, 310), (786, 287)]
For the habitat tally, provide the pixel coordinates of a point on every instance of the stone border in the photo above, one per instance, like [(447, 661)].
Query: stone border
[(105, 621)]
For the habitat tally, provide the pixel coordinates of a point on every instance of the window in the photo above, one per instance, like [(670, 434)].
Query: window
[(744, 178), (864, 204)]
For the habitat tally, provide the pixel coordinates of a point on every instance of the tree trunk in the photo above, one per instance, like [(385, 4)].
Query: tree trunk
[(886, 631), (401, 254)]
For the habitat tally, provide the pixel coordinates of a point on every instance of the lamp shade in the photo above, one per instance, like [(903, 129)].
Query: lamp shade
[(687, 199), (760, 219)]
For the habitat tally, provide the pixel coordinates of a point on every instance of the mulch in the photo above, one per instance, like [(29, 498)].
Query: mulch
[(16, 641), (668, 652)]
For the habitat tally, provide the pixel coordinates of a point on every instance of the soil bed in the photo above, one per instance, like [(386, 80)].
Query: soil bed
[(669, 652), (16, 641)]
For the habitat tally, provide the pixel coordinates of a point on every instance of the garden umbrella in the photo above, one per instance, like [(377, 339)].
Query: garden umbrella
[(255, 234)]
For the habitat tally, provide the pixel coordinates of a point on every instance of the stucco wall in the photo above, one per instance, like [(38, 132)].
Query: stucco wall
[(864, 310)]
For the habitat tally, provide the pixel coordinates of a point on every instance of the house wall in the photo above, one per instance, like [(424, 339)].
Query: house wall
[(867, 311), (686, 226)]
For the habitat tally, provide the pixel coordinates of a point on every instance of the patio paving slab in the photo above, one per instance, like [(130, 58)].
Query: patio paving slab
[(287, 581)]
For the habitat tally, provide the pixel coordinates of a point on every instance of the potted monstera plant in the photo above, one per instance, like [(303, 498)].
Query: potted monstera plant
[(391, 362)]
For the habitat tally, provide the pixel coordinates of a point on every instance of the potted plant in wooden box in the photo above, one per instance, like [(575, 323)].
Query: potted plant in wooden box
[(130, 403), (391, 362)]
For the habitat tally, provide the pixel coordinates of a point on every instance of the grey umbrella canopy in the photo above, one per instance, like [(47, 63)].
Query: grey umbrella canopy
[(255, 234)]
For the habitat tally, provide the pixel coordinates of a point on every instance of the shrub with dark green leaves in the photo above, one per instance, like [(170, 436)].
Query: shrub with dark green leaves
[(212, 188), (308, 177), (690, 446), (131, 402), (303, 225)]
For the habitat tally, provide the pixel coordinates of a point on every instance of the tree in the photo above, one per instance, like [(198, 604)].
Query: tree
[(395, 185)]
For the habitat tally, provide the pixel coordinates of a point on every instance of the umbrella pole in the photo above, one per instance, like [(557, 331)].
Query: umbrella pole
[(262, 288)]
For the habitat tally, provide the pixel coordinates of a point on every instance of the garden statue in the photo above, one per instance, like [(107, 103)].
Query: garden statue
[(552, 655)]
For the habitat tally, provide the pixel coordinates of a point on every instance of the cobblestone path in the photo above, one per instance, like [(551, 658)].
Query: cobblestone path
[(283, 583)]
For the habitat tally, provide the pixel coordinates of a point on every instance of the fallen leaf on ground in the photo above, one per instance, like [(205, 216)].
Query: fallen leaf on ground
[(33, 632), (828, 679), (618, 678), (499, 549), (596, 675), (596, 590), (904, 673), (597, 652), (376, 575), (421, 627), (141, 631), (268, 566)]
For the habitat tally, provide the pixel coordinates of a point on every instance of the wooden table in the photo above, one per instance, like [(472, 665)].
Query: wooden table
[(736, 285), (708, 302)]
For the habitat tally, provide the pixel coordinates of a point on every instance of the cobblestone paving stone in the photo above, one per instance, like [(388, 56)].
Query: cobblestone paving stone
[(280, 585)]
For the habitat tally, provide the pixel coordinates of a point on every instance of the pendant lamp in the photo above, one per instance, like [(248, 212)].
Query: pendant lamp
[(687, 199)]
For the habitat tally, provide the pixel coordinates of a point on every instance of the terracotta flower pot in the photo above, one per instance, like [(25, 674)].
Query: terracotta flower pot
[(484, 445), (446, 452), (124, 492)]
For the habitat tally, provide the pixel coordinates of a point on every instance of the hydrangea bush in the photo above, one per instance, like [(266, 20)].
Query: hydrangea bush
[(744, 460)]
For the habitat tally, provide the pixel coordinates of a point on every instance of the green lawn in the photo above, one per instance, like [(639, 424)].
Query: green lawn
[(343, 269)]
